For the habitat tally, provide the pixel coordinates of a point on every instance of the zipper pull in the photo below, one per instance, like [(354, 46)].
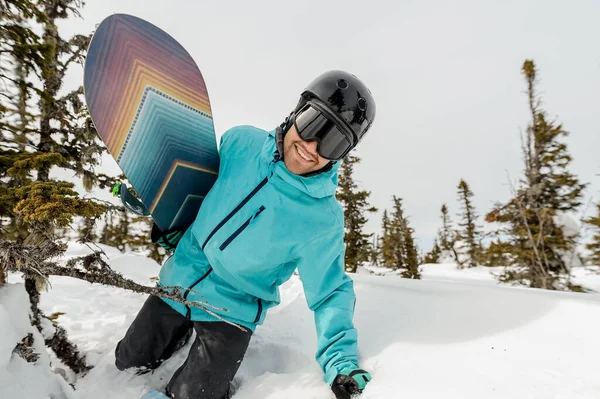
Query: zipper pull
[(256, 213)]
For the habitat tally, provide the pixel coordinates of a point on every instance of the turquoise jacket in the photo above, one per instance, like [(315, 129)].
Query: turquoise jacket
[(258, 223)]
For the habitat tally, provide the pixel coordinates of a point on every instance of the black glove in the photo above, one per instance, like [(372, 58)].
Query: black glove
[(168, 240), (350, 382)]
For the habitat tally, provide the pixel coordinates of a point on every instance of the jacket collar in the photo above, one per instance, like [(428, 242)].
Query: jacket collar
[(319, 186)]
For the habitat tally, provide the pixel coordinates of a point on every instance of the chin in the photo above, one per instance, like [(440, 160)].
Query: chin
[(294, 168)]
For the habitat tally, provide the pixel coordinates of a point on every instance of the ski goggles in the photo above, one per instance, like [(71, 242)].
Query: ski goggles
[(313, 124)]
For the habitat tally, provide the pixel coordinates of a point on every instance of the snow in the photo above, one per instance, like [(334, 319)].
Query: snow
[(445, 272), (453, 334), (18, 378), (588, 276)]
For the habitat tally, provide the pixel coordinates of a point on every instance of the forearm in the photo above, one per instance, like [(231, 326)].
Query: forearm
[(337, 346)]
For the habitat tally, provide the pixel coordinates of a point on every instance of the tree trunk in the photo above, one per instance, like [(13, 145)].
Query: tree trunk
[(64, 349), (34, 300)]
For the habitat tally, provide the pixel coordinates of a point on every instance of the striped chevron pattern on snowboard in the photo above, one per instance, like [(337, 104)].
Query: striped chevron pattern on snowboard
[(150, 105)]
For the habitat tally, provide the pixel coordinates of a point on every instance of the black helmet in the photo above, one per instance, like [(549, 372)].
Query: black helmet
[(337, 110), (346, 98)]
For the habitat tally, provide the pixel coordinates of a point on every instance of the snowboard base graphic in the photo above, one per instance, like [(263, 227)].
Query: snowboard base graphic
[(149, 103)]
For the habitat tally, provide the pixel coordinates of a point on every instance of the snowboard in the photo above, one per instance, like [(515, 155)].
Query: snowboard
[(149, 103)]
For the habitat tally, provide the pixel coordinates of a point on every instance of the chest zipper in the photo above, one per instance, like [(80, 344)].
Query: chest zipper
[(241, 228), (244, 201)]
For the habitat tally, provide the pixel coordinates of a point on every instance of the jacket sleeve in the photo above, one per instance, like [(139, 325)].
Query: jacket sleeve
[(330, 295)]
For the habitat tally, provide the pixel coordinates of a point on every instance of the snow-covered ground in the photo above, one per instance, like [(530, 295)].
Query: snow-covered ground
[(454, 334), (589, 276)]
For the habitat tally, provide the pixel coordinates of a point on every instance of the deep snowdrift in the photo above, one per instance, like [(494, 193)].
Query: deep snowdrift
[(455, 334)]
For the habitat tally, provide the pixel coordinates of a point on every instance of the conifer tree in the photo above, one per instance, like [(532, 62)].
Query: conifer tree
[(546, 190), (355, 203), (19, 53), (138, 238), (433, 256), (498, 253), (40, 129), (375, 251), (405, 253), (410, 252), (116, 229), (446, 236), (469, 232), (387, 245), (87, 230), (594, 246), (397, 235)]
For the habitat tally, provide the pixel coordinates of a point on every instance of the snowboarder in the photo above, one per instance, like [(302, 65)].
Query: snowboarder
[(271, 211)]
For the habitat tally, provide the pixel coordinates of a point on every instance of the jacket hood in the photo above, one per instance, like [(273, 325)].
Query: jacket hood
[(318, 186)]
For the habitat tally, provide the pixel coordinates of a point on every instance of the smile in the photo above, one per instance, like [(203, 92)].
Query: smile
[(303, 155)]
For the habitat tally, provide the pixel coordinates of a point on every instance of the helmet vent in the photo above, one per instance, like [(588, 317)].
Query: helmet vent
[(362, 104), (342, 84)]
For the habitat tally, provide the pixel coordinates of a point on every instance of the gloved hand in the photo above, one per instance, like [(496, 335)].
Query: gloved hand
[(168, 240), (349, 382)]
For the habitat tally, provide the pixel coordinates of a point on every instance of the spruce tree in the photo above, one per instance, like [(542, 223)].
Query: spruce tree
[(355, 203), (397, 235), (387, 245), (404, 249), (40, 130), (20, 53), (594, 246), (446, 236), (546, 190), (411, 253), (87, 230), (138, 239), (433, 256), (469, 231), (498, 253), (375, 251), (116, 229)]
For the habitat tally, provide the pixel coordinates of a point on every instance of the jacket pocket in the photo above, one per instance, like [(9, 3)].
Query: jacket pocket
[(239, 230), (187, 292), (259, 311)]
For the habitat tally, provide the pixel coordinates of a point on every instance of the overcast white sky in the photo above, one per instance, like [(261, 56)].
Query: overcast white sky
[(445, 76)]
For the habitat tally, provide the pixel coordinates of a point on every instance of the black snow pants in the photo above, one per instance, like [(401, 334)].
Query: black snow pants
[(213, 360)]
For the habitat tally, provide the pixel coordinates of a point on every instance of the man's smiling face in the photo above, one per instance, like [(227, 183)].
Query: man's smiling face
[(299, 156)]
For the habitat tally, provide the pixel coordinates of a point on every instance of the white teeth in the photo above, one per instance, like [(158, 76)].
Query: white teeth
[(303, 155)]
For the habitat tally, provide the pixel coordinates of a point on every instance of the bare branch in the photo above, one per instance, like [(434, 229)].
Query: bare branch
[(93, 269)]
